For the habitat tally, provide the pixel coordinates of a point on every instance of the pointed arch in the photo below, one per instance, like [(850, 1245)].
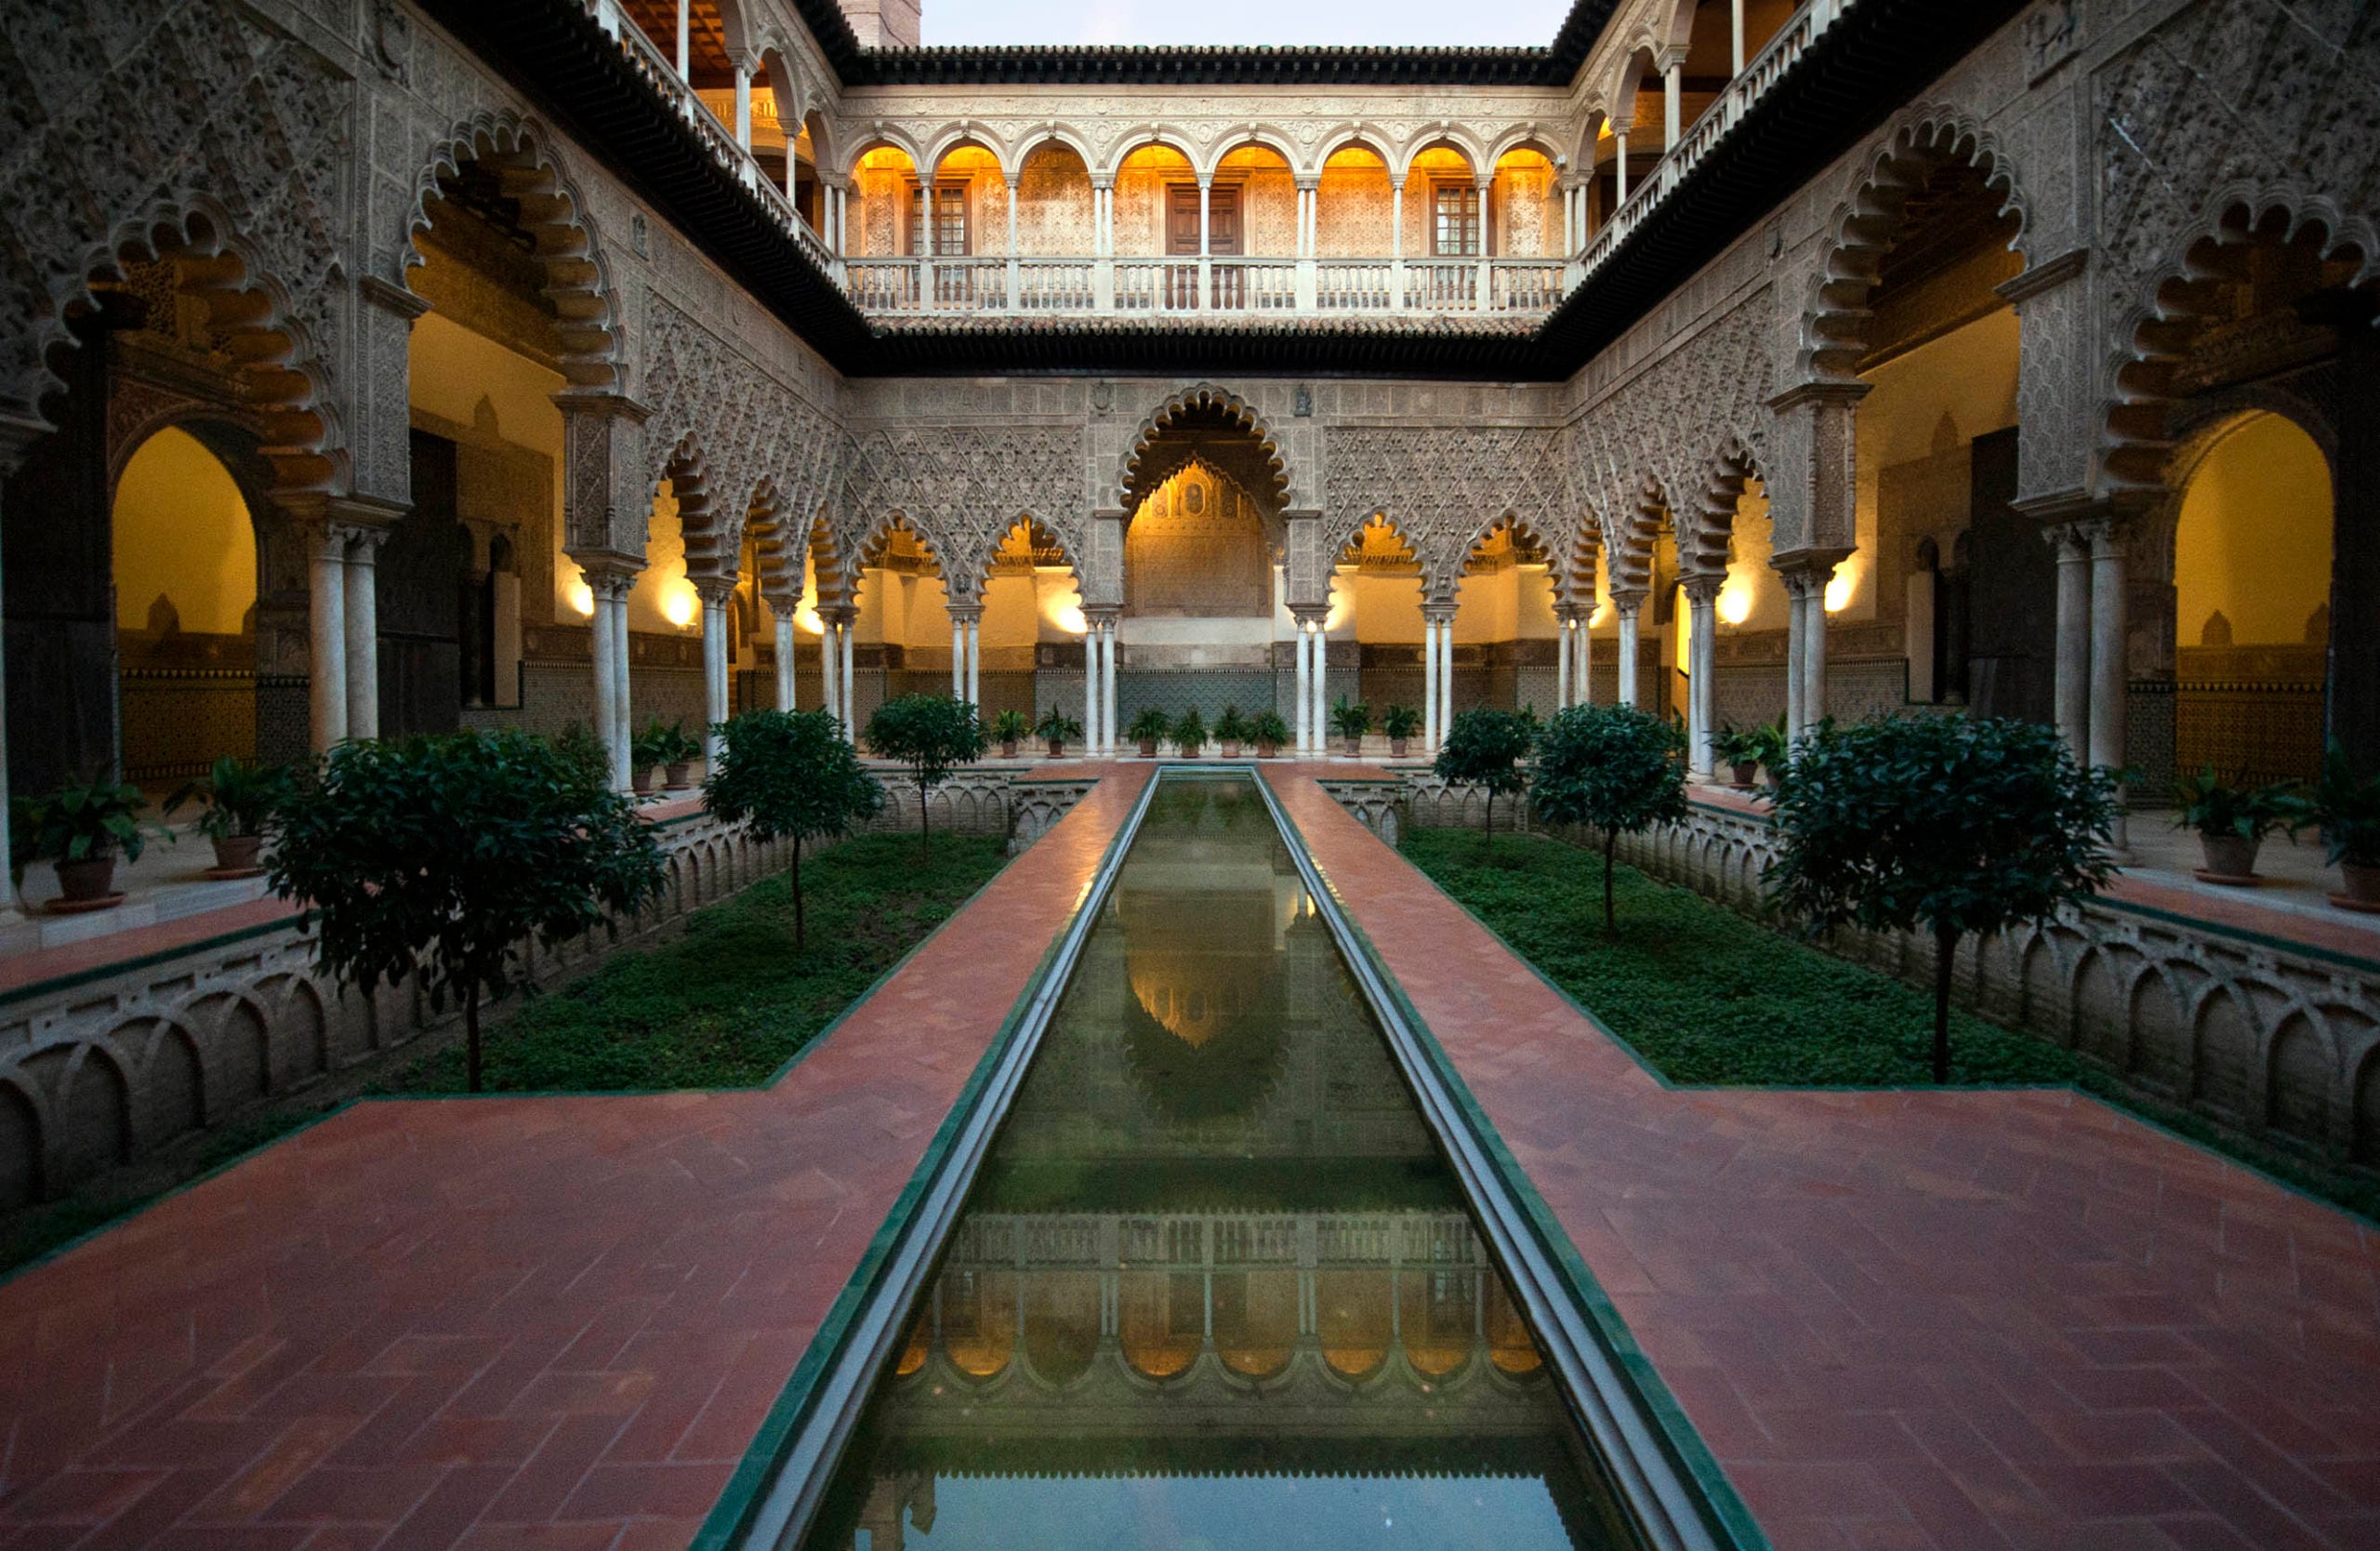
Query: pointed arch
[(1524, 539), (1630, 543), (1040, 537), (1184, 410), (553, 212), (1705, 533), (713, 540), (881, 534)]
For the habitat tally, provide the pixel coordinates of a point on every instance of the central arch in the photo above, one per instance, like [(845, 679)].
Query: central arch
[(1204, 408)]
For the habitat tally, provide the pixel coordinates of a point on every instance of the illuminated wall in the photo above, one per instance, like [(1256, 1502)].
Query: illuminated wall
[(182, 532), (2253, 543)]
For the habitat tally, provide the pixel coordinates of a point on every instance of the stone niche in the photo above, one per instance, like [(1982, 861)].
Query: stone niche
[(1197, 548)]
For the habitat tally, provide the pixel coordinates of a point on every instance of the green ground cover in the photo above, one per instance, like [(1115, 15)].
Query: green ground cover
[(723, 1004), (1706, 995)]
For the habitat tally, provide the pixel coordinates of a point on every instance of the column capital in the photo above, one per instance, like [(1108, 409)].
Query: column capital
[(1626, 601), (1438, 614), (18, 435), (1702, 588), (1819, 394), (713, 590), (607, 573), (1102, 617), (965, 614), (1807, 562), (341, 519)]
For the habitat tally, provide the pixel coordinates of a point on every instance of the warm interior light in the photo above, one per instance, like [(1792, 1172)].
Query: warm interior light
[(807, 621), (1071, 620), (582, 598), (680, 605), (1838, 589), (1602, 613), (1734, 600)]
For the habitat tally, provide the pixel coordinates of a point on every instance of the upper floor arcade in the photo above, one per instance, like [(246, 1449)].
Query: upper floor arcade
[(1213, 186)]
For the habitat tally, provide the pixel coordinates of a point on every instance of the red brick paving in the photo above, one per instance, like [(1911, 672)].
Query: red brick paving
[(552, 1322), (1963, 1320)]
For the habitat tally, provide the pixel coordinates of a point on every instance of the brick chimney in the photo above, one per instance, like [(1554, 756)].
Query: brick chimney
[(884, 23)]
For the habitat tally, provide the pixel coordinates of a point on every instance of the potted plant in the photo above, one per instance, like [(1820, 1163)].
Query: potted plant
[(2348, 811), (83, 828), (1269, 731), (1190, 734), (1009, 727), (1057, 726), (1148, 726), (647, 749), (2231, 822), (239, 801), (680, 749), (1740, 749), (1231, 731), (1400, 723), (1351, 721)]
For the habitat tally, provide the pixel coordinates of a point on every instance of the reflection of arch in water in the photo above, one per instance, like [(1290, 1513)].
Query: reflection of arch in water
[(1229, 1068)]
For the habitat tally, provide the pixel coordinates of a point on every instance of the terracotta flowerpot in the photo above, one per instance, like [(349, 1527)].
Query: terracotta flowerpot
[(2229, 859), (1231, 750), (1149, 748), (1396, 747), (1354, 748), (1007, 748), (88, 881), (1267, 750), (1057, 748), (640, 779), (1744, 772), (2362, 891), (235, 856), (681, 775)]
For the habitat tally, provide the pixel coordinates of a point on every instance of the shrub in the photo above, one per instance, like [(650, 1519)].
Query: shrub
[(1190, 733), (447, 854), (1149, 725), (1486, 748), (1268, 728), (930, 734), (1350, 718), (1612, 768), (1230, 727), (790, 776), (238, 799), (1958, 823)]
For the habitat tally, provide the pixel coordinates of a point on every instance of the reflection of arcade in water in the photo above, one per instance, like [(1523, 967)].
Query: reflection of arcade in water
[(1215, 1286)]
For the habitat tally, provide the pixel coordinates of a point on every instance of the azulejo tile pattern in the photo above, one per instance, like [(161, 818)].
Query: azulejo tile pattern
[(1966, 1320)]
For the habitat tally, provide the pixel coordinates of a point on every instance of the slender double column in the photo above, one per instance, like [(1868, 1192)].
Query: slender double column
[(966, 649), (1701, 657), (327, 626), (1805, 580), (1564, 627), (1111, 627), (1627, 607), (363, 629), (780, 614), (1438, 671), (1094, 695), (1583, 647), (608, 632), (845, 619), (714, 592)]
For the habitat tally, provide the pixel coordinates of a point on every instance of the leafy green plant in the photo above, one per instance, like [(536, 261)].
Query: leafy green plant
[(1488, 748), (2349, 810), (1350, 718), (1957, 824), (446, 856), (931, 735), (1190, 733), (586, 751), (649, 747), (790, 776), (1011, 726), (236, 799), (1615, 770), (1230, 727), (1400, 721), (2210, 806), (1149, 725), (83, 821), (1058, 727), (1268, 729), (1736, 745)]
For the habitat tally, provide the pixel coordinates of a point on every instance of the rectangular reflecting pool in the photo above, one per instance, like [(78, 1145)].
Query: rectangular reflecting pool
[(1215, 1289)]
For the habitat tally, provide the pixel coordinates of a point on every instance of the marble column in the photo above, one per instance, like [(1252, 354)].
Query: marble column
[(2072, 673), (1107, 734), (1627, 607), (851, 708), (1585, 644), (1564, 627), (1814, 646), (1444, 615), (1805, 579), (1090, 696), (1429, 683), (975, 658), (714, 592), (1701, 653), (957, 657), (781, 615), (362, 630), (607, 637), (831, 664), (326, 620), (1303, 733), (2108, 582)]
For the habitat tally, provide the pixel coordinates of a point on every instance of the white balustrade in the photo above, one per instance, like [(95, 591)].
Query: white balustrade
[(1442, 284)]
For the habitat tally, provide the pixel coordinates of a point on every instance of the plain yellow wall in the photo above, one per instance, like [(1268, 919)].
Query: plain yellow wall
[(182, 529), (2253, 538)]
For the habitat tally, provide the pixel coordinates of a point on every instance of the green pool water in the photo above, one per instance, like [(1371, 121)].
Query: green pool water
[(1216, 1289)]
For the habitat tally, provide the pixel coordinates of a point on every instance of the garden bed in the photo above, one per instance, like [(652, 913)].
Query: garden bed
[(1706, 995)]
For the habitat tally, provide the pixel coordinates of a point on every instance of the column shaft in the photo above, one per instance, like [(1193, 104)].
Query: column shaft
[(2072, 680), (958, 658), (327, 609), (1107, 674), (2107, 646), (851, 694), (1429, 683), (1814, 649), (1628, 653), (715, 695), (1090, 683), (974, 662), (622, 701), (785, 662), (363, 630)]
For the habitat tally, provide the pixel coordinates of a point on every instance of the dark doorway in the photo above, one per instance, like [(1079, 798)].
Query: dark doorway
[(2011, 592), (423, 570)]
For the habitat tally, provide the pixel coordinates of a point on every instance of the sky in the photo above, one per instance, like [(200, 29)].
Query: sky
[(1390, 23)]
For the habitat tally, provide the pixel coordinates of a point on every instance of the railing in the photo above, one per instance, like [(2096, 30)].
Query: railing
[(1230, 284)]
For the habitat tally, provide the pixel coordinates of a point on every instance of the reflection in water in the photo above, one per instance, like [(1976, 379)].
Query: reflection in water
[(1216, 1287)]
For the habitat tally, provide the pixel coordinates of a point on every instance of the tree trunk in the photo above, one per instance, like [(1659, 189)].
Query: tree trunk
[(925, 819), (1489, 846), (1610, 915), (796, 891), (471, 1037), (1946, 943)]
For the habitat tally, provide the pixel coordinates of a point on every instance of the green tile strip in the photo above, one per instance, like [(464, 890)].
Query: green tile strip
[(1726, 1516), (732, 1515)]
